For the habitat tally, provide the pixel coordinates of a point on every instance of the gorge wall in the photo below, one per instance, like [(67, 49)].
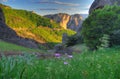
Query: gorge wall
[(101, 3), (67, 21)]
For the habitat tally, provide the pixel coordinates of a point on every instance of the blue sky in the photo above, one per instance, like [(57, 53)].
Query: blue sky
[(44, 7)]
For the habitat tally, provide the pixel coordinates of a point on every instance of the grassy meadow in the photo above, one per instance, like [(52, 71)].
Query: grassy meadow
[(101, 64)]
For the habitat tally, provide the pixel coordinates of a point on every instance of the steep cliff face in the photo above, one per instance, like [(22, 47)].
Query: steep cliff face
[(67, 21), (61, 18), (9, 35), (101, 3), (2, 19), (75, 22)]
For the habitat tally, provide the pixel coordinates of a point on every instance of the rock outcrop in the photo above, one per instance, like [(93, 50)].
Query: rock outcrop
[(63, 50), (9, 35), (61, 18), (97, 4), (67, 21), (2, 18), (75, 22)]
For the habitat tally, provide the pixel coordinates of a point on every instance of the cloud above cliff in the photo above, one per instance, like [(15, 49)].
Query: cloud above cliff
[(44, 7), (3, 0), (6, 0), (59, 9), (57, 2)]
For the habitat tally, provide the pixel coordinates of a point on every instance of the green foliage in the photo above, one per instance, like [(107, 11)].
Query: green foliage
[(115, 38), (50, 35), (104, 41), (74, 39), (100, 22), (27, 17), (95, 65)]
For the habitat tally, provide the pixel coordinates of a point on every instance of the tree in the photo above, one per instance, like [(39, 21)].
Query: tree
[(100, 22)]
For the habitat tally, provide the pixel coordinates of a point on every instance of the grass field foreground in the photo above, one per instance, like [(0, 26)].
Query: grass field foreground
[(102, 64)]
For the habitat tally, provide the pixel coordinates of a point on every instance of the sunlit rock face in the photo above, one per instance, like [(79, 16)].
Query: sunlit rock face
[(61, 18), (75, 22), (97, 4), (67, 21)]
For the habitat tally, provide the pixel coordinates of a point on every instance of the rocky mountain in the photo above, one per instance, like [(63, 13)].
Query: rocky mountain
[(84, 16), (9, 35), (67, 21), (101, 3)]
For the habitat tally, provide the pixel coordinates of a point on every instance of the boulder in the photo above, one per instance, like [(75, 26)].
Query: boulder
[(97, 4), (63, 50)]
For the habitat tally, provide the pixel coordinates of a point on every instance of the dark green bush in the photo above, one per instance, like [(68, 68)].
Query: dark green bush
[(74, 39), (100, 22), (115, 38)]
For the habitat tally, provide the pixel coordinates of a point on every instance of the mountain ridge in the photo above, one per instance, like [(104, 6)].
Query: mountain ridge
[(73, 22)]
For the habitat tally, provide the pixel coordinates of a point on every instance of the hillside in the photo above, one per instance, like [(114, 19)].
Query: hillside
[(28, 24)]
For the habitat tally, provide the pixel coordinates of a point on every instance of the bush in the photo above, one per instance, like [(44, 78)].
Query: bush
[(104, 42), (74, 39), (115, 38), (100, 22)]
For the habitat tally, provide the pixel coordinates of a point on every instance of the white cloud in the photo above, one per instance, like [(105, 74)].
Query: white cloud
[(59, 9), (3, 0), (57, 2)]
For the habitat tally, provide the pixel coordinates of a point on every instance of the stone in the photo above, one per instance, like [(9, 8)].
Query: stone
[(63, 50), (97, 4)]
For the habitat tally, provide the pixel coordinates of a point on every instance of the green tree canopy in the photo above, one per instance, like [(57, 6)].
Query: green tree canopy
[(101, 22)]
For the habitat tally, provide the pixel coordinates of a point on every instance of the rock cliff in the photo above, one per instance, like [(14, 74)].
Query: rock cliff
[(67, 21), (97, 4)]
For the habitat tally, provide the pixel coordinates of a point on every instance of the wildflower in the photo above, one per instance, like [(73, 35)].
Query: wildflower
[(70, 56), (65, 63), (57, 55)]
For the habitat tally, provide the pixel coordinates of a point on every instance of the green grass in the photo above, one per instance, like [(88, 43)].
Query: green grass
[(102, 64), (4, 46)]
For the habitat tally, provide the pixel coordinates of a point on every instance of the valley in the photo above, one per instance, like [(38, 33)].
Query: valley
[(48, 39)]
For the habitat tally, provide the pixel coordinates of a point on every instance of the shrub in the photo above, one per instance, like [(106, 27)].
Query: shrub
[(104, 42), (74, 39), (115, 38), (100, 22)]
